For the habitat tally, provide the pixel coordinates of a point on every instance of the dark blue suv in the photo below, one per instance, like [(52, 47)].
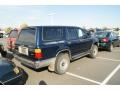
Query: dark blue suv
[(54, 46)]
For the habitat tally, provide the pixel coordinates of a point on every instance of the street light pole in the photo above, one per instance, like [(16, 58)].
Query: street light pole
[(51, 18)]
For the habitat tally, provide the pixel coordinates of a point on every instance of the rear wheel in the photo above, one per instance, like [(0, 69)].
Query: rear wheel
[(94, 51), (110, 48), (62, 63)]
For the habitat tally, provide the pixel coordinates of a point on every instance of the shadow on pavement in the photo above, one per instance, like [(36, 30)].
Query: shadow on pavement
[(42, 82)]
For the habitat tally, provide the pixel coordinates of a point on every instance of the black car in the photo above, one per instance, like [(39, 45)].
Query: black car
[(108, 40), (54, 46), (10, 74)]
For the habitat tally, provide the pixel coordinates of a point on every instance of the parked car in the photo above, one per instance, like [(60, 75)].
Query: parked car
[(1, 35), (54, 46), (12, 39), (108, 40), (10, 74)]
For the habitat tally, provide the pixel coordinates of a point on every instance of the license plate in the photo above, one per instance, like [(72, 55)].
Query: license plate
[(23, 50)]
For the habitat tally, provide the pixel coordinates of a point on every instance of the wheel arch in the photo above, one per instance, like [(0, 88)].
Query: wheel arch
[(64, 51)]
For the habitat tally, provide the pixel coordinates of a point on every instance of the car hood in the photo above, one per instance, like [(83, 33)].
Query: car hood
[(5, 66)]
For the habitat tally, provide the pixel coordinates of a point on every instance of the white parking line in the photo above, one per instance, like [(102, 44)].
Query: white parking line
[(77, 76), (108, 59), (117, 50), (110, 75)]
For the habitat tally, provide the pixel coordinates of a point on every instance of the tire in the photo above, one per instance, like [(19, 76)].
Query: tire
[(62, 63), (110, 48), (94, 51)]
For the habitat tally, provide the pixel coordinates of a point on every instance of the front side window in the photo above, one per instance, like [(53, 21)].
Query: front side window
[(51, 34), (80, 33), (73, 33)]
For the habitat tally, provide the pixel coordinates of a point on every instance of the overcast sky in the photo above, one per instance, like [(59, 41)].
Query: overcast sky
[(89, 16)]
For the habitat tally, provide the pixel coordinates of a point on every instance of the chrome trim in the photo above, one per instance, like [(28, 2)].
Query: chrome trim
[(54, 42), (12, 78), (47, 43), (1, 83)]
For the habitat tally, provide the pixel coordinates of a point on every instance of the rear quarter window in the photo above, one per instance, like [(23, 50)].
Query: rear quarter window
[(52, 34)]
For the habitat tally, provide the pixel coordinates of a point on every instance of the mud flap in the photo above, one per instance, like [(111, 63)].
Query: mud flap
[(51, 67)]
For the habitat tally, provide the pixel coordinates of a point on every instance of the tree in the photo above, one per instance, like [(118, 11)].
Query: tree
[(8, 29), (23, 25), (116, 29)]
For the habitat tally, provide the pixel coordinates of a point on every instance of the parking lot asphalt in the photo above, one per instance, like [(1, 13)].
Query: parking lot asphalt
[(103, 70)]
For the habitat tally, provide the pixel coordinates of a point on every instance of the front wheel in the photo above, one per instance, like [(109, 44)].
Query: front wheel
[(94, 51), (62, 63)]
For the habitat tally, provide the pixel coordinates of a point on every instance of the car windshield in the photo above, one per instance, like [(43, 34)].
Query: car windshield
[(13, 34), (102, 34)]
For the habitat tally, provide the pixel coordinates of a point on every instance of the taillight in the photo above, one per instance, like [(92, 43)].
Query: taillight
[(105, 40), (38, 53)]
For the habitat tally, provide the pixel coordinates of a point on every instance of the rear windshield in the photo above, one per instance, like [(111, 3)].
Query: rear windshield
[(13, 34), (102, 34), (27, 35)]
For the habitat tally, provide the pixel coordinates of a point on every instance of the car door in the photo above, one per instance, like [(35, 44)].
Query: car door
[(85, 40), (78, 41), (72, 40)]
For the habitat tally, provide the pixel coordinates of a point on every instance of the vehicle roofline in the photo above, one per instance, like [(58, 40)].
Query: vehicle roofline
[(52, 26)]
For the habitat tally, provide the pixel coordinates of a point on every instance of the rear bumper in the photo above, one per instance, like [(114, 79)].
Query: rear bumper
[(104, 45), (35, 64)]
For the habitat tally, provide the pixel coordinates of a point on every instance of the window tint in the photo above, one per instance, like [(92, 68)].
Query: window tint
[(14, 34), (50, 34), (27, 35), (73, 33)]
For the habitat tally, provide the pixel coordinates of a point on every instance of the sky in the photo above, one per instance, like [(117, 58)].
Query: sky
[(73, 15)]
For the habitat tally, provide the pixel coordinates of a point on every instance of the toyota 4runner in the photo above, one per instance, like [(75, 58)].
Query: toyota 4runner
[(54, 46)]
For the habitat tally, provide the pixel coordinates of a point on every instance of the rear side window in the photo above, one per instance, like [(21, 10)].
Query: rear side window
[(27, 35), (51, 34), (13, 34)]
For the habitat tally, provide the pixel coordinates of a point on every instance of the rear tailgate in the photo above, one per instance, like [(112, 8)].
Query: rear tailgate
[(26, 43)]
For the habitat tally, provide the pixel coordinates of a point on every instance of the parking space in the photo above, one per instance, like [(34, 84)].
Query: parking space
[(105, 69), (94, 69), (115, 79), (114, 55)]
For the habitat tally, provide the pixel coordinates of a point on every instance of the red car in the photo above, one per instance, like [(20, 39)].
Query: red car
[(12, 39)]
